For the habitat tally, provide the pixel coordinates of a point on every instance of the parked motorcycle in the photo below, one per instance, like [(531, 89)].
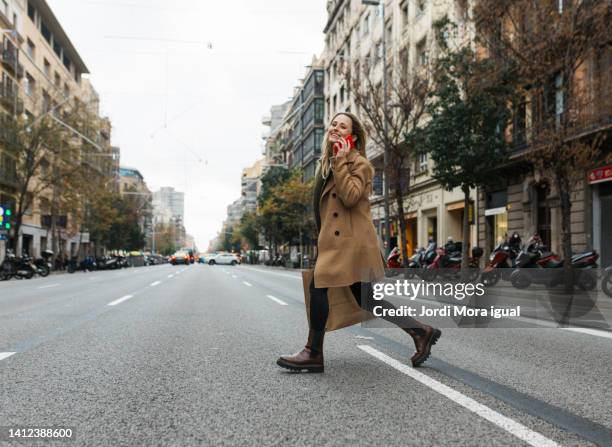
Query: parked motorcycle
[(536, 265), (447, 263), (86, 265), (43, 264), (501, 264), (394, 262), (606, 281), (13, 266)]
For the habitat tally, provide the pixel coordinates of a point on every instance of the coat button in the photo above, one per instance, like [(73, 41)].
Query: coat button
[(334, 195), (335, 214), (337, 233)]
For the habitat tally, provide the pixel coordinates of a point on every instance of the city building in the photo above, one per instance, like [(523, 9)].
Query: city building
[(168, 202), (354, 40), (251, 185), (42, 73), (134, 188)]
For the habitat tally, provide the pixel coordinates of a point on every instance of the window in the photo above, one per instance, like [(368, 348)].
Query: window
[(57, 48), (318, 136), (31, 49), (67, 62), (58, 80), (422, 163), (421, 53), (405, 11), (421, 5), (46, 101), (31, 12), (47, 68), (318, 111), (45, 32), (389, 38), (342, 95), (29, 85), (5, 7), (66, 90), (366, 25)]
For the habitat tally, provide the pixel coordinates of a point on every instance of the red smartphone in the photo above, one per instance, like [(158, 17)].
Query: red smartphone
[(349, 140)]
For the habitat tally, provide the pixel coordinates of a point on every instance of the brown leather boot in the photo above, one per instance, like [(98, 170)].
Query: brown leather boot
[(423, 344), (310, 358)]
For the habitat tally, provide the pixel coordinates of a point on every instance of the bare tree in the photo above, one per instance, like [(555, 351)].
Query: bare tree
[(396, 127), (555, 44)]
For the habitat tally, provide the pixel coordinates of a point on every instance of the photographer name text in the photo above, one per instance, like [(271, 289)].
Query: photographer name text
[(448, 311)]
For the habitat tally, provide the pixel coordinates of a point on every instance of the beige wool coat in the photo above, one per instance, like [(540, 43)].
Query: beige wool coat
[(347, 246)]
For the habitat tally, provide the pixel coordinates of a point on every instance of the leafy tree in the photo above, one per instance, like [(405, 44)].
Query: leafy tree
[(552, 42), (469, 112)]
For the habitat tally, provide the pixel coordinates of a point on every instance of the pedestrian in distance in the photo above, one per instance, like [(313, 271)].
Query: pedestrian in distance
[(348, 254)]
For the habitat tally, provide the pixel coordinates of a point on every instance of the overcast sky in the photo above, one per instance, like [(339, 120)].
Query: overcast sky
[(186, 83)]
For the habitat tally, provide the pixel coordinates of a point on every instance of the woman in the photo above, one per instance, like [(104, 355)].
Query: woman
[(348, 252)]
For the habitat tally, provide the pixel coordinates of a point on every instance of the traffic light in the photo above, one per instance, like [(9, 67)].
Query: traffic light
[(5, 218)]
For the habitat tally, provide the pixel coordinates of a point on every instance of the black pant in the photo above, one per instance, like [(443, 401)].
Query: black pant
[(364, 295)]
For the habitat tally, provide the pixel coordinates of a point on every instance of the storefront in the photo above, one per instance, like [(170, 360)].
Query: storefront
[(496, 218), (600, 180)]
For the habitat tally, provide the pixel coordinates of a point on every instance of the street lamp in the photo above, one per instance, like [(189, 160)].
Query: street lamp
[(381, 4)]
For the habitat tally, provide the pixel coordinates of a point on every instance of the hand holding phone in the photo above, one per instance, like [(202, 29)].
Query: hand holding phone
[(350, 143)]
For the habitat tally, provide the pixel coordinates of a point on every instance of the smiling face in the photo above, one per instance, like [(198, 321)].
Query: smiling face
[(340, 127)]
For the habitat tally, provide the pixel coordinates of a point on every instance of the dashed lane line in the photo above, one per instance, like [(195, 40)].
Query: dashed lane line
[(49, 286), (511, 426), (120, 300), (247, 283), (156, 283), (273, 298), (4, 355)]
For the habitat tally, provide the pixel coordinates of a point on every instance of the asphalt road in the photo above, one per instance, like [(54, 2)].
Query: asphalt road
[(187, 355)]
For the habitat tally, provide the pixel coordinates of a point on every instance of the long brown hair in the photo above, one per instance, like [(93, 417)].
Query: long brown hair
[(327, 146)]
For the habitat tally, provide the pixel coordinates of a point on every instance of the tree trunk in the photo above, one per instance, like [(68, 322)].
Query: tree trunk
[(399, 199), (466, 233), (566, 233)]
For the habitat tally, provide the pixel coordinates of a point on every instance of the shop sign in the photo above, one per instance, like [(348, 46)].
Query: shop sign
[(599, 175)]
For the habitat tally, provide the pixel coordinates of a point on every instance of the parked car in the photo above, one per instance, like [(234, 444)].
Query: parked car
[(224, 258), (180, 257)]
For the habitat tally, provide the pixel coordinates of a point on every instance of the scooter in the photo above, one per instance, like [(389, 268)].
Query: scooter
[(448, 264), (20, 268), (43, 264), (538, 265), (501, 264), (86, 265)]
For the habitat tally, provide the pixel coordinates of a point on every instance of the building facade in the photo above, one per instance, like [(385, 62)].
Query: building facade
[(354, 38), (41, 73)]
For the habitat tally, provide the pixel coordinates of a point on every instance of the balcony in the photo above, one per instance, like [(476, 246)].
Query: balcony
[(9, 98), (8, 171), (11, 61)]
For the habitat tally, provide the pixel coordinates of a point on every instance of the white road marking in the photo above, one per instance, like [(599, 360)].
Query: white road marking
[(363, 337), (299, 277), (120, 300), (4, 355), (234, 276), (156, 283), (170, 276), (281, 302), (511, 426), (49, 286), (595, 332), (247, 283)]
